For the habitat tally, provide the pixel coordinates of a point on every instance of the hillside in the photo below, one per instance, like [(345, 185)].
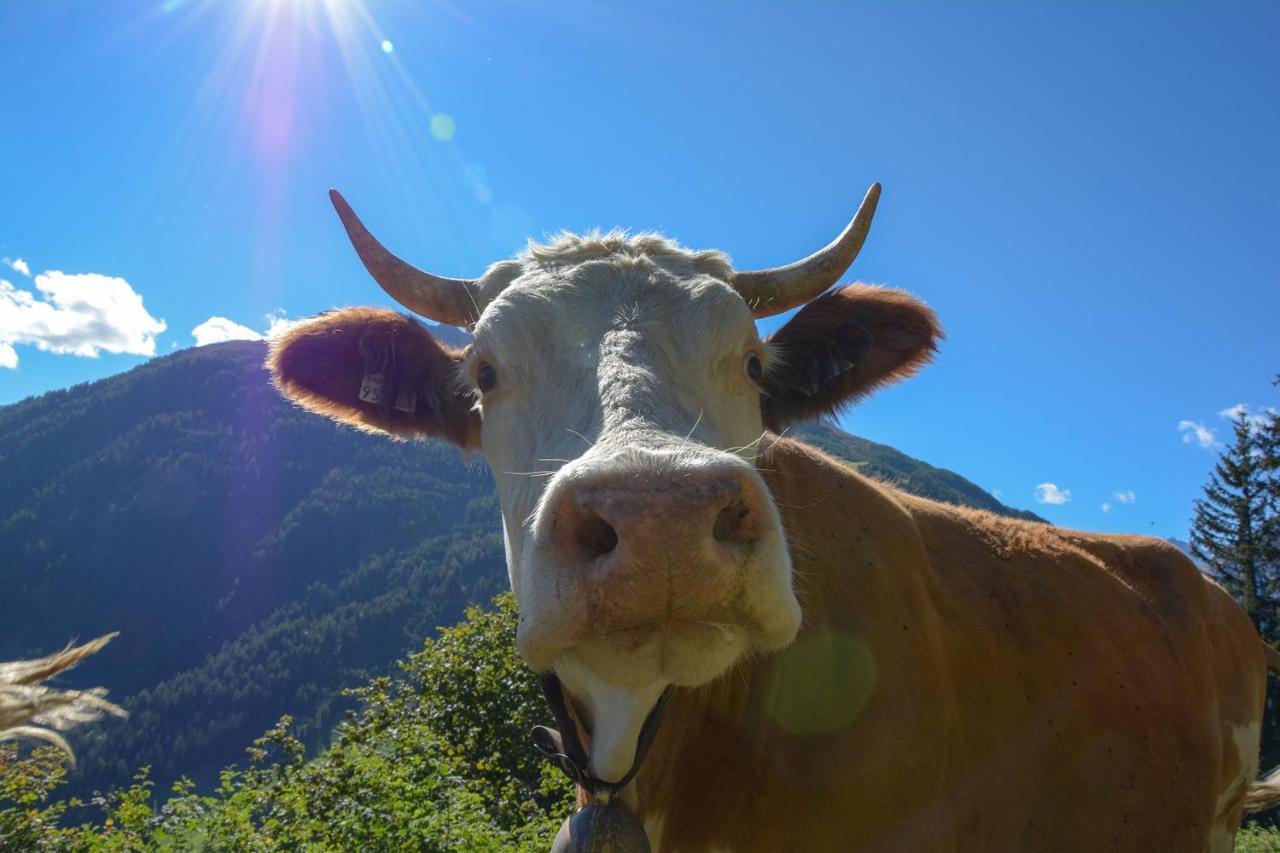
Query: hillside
[(912, 475), (256, 559)]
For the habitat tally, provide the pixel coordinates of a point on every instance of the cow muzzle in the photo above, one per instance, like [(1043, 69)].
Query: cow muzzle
[(621, 533), (647, 572)]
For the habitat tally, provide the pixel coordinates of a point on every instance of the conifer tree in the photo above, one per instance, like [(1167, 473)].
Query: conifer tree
[(1268, 436), (1234, 527)]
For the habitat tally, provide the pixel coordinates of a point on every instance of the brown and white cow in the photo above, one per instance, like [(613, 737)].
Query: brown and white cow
[(855, 668)]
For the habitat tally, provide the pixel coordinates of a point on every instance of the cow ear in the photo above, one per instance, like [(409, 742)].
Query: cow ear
[(379, 371), (841, 347)]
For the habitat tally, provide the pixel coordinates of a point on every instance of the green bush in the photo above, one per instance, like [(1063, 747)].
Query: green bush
[(1257, 839), (437, 760)]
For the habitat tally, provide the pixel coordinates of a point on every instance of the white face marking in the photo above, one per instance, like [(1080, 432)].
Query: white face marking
[(626, 368), (617, 714), (586, 354)]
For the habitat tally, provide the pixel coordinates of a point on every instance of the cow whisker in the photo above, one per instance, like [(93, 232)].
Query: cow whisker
[(695, 425), (589, 442), (736, 450)]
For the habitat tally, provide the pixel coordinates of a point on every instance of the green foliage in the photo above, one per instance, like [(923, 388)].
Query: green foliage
[(256, 558), (437, 760), (27, 811), (1258, 839)]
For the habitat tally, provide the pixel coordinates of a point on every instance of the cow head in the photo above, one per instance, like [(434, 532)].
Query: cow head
[(619, 391)]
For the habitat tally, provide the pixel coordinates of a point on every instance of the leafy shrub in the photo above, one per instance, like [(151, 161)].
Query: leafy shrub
[(1257, 839), (437, 760)]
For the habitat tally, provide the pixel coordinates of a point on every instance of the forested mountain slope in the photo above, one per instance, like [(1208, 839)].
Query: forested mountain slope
[(256, 559)]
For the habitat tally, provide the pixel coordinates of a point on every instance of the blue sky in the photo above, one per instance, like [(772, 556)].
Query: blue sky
[(1088, 193)]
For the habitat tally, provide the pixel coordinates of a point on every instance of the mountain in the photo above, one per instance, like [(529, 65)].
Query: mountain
[(911, 475), (256, 559), (1185, 547)]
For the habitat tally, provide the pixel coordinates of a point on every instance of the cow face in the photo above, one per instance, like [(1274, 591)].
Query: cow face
[(619, 391), (620, 412)]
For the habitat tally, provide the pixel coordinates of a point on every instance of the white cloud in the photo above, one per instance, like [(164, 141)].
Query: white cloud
[(215, 330), (18, 265), (1194, 432), (79, 314), (996, 493), (1106, 507), (1048, 493), (1127, 497), (1257, 420), (278, 324)]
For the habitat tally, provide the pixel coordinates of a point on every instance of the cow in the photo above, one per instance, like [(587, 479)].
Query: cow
[(849, 667)]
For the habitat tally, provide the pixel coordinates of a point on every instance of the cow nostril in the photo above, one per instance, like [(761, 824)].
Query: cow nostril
[(735, 523), (596, 536)]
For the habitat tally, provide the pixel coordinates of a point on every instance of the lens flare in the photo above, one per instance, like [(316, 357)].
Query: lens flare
[(443, 126), (822, 683)]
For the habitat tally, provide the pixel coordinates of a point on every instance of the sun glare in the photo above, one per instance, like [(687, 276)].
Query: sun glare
[(280, 77), (273, 58)]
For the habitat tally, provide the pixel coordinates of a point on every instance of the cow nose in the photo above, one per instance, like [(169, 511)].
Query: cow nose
[(691, 515)]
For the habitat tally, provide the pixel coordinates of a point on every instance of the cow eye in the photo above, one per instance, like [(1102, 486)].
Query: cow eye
[(486, 377), (754, 368)]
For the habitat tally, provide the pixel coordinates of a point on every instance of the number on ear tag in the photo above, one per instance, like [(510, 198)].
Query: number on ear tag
[(373, 388)]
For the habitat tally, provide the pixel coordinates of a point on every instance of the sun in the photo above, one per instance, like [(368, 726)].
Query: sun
[(280, 78), (271, 56)]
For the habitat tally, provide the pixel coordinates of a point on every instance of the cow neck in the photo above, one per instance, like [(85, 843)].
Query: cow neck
[(721, 751)]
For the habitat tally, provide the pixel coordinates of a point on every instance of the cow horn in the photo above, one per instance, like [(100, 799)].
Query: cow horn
[(455, 301), (773, 291)]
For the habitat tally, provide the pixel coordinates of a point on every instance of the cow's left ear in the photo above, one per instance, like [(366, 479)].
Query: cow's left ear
[(841, 347), (379, 371)]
